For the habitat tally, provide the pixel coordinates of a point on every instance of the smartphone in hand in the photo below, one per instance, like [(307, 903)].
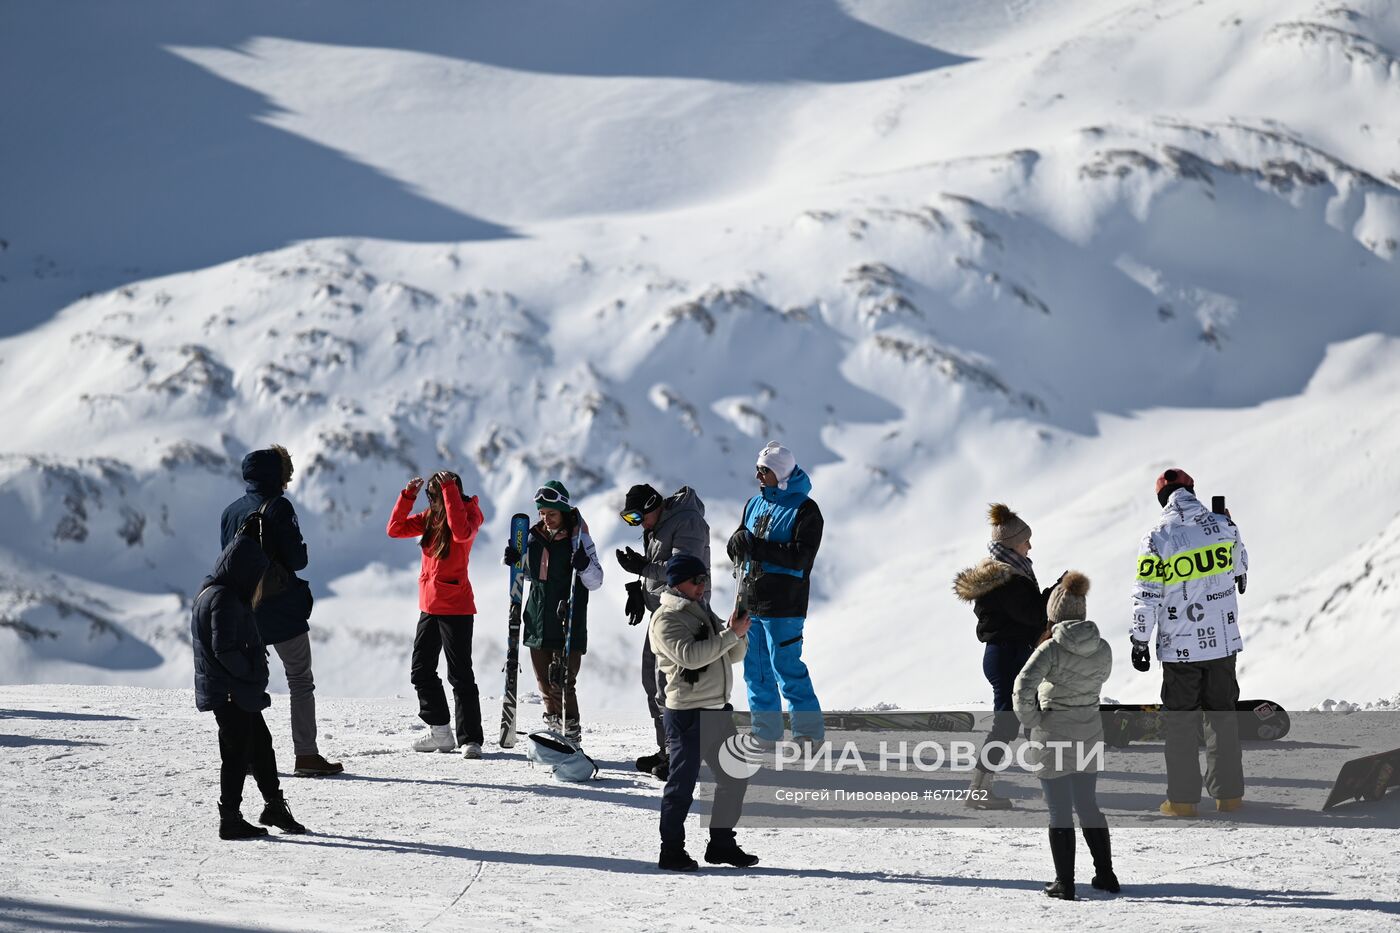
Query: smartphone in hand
[(1217, 505)]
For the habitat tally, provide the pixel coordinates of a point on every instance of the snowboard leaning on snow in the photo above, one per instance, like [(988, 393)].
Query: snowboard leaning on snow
[(1125, 723), (1365, 778)]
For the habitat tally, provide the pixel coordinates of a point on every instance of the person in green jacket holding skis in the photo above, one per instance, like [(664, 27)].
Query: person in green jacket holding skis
[(558, 550)]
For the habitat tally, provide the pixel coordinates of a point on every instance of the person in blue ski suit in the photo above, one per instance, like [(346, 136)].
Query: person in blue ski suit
[(774, 550)]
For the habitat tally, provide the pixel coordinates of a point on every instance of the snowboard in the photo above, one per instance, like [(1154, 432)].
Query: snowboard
[(519, 528), (1365, 778), (1125, 723), (896, 720), (900, 720)]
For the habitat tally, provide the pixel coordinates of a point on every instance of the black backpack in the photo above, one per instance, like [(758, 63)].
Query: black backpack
[(276, 579)]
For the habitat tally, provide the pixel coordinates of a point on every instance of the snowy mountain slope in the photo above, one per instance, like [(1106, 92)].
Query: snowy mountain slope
[(1035, 253)]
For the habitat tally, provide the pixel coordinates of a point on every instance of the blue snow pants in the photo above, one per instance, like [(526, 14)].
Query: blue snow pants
[(773, 666)]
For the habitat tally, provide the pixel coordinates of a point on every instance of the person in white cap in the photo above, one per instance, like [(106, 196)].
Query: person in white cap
[(773, 551)]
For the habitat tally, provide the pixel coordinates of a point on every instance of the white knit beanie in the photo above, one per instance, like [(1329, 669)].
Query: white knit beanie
[(780, 460)]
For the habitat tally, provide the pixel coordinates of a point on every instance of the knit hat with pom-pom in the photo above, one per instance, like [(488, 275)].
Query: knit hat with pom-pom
[(1007, 527), (1066, 602)]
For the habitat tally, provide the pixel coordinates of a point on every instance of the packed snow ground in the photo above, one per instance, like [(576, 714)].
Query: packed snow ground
[(109, 822)]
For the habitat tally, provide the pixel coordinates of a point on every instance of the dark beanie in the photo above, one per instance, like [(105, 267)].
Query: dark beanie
[(1172, 480), (641, 498), (683, 567)]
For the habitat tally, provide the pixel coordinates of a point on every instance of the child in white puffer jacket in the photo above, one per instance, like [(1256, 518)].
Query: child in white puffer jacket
[(1057, 696)]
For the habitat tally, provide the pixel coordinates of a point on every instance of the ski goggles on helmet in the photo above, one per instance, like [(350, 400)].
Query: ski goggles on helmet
[(632, 517), (550, 494)]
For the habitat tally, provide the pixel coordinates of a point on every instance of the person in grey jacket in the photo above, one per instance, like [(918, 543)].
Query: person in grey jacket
[(1057, 696), (698, 651), (670, 526)]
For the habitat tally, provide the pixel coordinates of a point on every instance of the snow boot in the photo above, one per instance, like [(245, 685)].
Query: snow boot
[(1097, 841), (724, 850), (233, 826), (471, 750), (316, 766), (646, 763), (1062, 852), (676, 860), (437, 739), (1168, 808), (553, 723), (276, 813), (1229, 804), (982, 796), (573, 731), (662, 772)]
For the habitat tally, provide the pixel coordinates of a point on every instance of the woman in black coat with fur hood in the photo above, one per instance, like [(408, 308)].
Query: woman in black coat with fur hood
[(1010, 610)]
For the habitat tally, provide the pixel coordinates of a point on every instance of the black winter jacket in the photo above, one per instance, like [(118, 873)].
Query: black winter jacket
[(230, 662), (1008, 606), (286, 615)]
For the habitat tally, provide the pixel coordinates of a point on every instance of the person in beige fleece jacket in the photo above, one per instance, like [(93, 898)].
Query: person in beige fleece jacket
[(697, 652)]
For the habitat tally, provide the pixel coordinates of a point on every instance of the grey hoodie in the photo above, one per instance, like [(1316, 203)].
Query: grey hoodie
[(682, 529), (1057, 694)]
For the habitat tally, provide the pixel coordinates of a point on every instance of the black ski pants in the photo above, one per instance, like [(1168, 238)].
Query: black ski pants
[(689, 745), (452, 636), (1187, 688), (244, 739)]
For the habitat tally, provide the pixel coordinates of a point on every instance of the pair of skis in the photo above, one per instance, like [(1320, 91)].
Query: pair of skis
[(519, 528)]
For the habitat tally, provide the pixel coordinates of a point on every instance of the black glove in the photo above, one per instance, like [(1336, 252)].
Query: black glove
[(581, 560), (631, 561), (512, 556), (1142, 660), (1241, 582), (636, 604), (740, 545)]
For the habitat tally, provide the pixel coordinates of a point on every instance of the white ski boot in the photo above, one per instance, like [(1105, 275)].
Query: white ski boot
[(437, 739)]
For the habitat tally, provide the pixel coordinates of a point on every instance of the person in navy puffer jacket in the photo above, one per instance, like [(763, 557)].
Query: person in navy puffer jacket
[(774, 550), (230, 681)]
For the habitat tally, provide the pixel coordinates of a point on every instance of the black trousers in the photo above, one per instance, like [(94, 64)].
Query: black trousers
[(1189, 686), (452, 636), (243, 738), (683, 736), (654, 683)]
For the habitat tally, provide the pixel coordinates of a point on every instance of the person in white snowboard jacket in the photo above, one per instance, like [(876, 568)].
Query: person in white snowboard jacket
[(1190, 566)]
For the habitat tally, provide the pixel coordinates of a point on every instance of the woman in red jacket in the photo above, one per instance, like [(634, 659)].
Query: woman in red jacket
[(445, 531)]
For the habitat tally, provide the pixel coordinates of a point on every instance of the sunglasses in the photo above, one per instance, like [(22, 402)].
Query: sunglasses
[(550, 494), (702, 580), (632, 517)]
